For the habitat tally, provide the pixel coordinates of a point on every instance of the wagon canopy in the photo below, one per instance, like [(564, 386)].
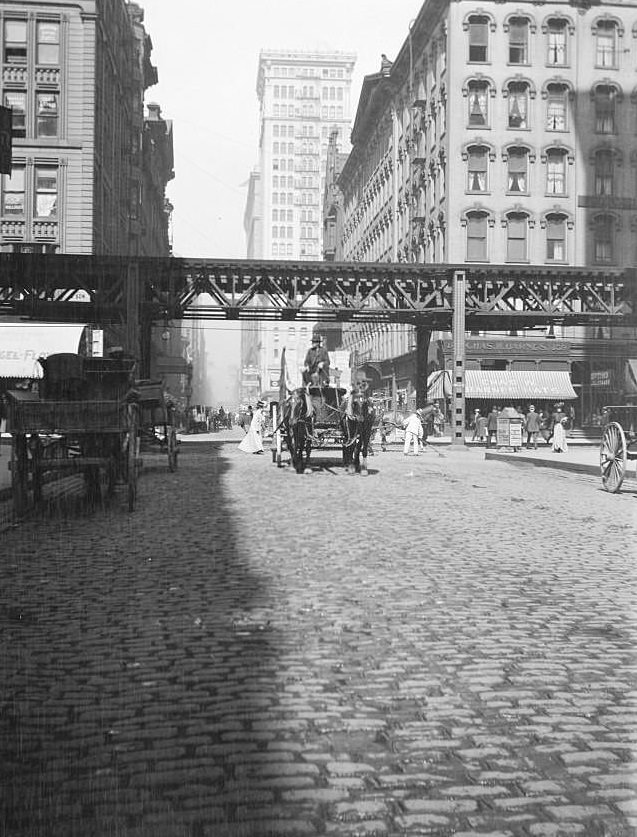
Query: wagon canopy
[(498, 385), (21, 345)]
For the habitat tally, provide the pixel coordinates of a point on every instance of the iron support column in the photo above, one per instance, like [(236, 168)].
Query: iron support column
[(133, 309), (423, 338), (457, 374)]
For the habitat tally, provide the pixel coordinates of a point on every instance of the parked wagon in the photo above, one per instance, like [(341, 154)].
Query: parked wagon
[(157, 423), (84, 420), (618, 445)]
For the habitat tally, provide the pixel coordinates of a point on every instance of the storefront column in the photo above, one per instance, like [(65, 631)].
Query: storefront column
[(457, 374), (423, 338)]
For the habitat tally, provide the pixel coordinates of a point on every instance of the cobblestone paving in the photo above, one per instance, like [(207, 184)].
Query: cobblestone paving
[(444, 647)]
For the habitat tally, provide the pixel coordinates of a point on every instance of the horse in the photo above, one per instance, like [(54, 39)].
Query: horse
[(357, 420), (297, 422)]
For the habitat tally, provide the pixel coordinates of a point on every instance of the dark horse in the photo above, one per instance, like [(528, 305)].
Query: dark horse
[(297, 422), (357, 419)]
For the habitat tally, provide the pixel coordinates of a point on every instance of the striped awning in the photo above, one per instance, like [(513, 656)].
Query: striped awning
[(501, 385)]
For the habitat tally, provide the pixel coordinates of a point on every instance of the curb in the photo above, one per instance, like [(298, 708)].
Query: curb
[(558, 464)]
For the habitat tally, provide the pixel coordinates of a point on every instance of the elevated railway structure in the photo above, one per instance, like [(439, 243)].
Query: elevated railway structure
[(138, 291)]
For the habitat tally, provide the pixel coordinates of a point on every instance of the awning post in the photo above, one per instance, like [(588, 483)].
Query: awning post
[(457, 374)]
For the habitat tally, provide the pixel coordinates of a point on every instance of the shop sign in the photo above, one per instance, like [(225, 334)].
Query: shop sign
[(601, 378), (512, 347)]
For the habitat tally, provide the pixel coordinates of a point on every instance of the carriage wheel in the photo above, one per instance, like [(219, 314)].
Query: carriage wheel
[(613, 456), (172, 449)]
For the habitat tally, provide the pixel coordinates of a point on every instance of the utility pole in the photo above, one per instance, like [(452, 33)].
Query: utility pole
[(457, 373)]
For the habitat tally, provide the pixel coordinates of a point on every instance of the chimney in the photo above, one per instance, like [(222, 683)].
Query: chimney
[(154, 111)]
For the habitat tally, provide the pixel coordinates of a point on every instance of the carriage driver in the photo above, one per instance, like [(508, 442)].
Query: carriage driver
[(317, 362)]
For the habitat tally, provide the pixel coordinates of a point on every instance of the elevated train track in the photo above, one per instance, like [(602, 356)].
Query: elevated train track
[(105, 289)]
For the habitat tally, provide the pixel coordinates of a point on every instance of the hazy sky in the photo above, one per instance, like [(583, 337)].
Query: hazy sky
[(207, 54)]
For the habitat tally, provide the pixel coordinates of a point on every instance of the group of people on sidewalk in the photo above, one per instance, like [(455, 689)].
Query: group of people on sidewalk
[(550, 427)]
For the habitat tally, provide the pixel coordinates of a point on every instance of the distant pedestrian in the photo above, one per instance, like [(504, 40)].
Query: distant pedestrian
[(252, 442), (474, 424), (481, 428), (559, 436), (492, 425), (532, 427), (413, 434)]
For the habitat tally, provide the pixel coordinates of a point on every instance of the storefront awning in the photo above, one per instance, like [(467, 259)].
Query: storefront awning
[(502, 385), (22, 344)]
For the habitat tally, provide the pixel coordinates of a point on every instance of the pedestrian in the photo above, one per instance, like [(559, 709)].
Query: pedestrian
[(492, 425), (413, 434), (531, 427), (252, 442), (559, 436), (474, 424), (481, 428)]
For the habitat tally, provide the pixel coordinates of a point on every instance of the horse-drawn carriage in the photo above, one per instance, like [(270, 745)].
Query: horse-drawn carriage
[(89, 417), (324, 417), (618, 445)]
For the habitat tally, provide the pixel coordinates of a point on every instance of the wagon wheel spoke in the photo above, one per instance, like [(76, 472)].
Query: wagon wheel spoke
[(613, 457)]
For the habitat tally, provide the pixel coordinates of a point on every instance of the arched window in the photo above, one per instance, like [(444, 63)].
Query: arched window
[(605, 98), (557, 30), (517, 170), (477, 227), (556, 237), (518, 40), (606, 43), (556, 171), (556, 107), (518, 104), (603, 239), (604, 172), (517, 232), (478, 38), (477, 168), (478, 97)]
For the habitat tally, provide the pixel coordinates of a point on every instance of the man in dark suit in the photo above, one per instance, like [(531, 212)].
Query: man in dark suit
[(317, 362)]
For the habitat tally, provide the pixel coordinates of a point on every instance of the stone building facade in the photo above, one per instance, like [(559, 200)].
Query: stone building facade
[(503, 133)]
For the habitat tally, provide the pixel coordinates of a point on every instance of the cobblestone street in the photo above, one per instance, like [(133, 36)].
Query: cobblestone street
[(444, 647)]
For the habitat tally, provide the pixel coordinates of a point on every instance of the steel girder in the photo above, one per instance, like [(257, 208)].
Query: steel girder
[(69, 288)]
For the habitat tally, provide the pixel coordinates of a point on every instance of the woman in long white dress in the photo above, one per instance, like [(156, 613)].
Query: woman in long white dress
[(252, 442), (559, 437)]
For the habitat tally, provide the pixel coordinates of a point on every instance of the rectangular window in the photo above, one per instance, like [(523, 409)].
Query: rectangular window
[(518, 38), (556, 43), (48, 43), (555, 174), (46, 192), (605, 110), (15, 42), (604, 173), (516, 240), (47, 115), (556, 110), (478, 39), (477, 238), (17, 101), (13, 192), (606, 44), (555, 240), (477, 170), (518, 107), (477, 105), (604, 241), (517, 171)]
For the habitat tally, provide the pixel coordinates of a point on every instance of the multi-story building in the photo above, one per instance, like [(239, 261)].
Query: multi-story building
[(502, 133), (89, 170), (303, 97)]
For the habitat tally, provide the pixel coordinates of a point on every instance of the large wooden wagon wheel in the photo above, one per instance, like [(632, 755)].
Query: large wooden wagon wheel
[(613, 456)]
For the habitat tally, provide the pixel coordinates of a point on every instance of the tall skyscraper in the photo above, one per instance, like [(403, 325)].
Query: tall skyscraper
[(303, 98)]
